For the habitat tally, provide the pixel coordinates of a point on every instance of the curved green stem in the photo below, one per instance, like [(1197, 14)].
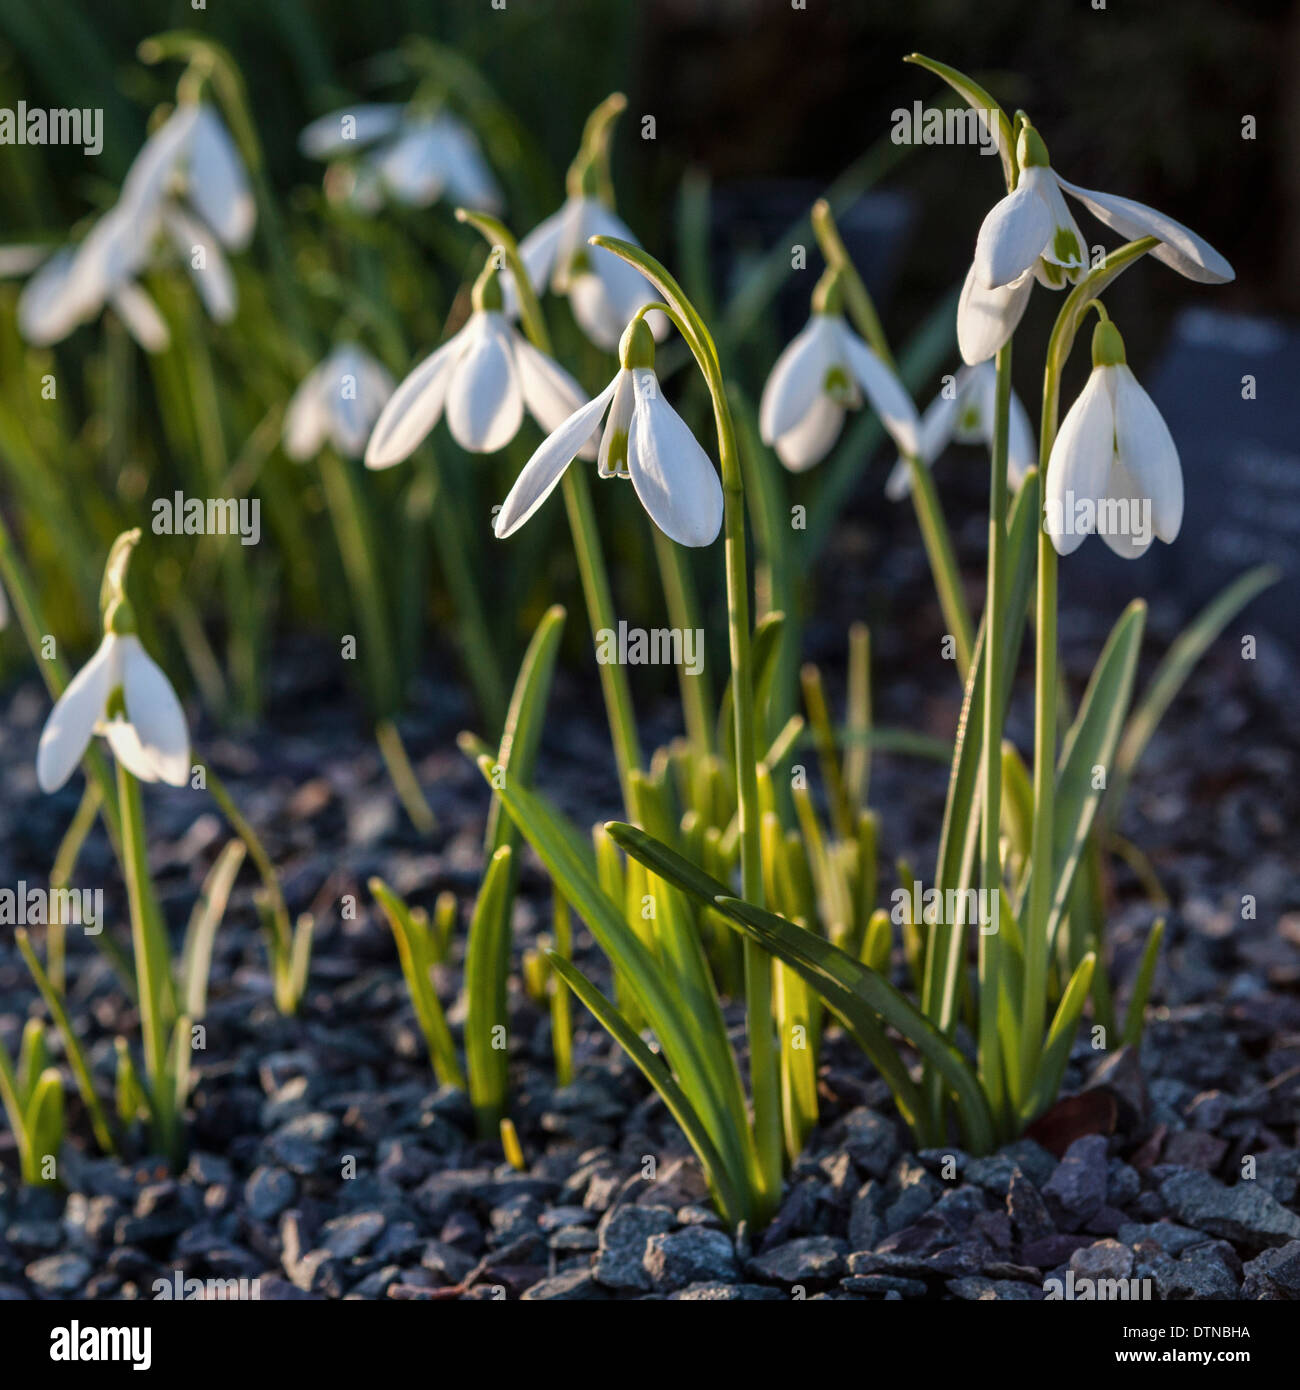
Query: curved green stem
[(1034, 995), (764, 1071), (582, 519)]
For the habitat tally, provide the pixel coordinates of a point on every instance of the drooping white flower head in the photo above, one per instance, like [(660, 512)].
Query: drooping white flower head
[(413, 156), (644, 440), (603, 290), (483, 378), (1114, 467), (964, 411), (823, 372), (337, 403), (1030, 234), (122, 694), (186, 188)]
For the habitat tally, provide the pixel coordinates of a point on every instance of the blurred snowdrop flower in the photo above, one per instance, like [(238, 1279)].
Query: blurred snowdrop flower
[(644, 440), (1114, 467), (1030, 234), (603, 290), (187, 186), (483, 378), (964, 412), (415, 157), (822, 373), (337, 403), (120, 693)]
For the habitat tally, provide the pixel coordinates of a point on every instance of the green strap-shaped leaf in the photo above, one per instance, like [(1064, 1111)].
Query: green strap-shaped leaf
[(1060, 1038), (1089, 745), (487, 962), (650, 986), (960, 834), (196, 954), (1136, 1016), (413, 952), (856, 993), (992, 116), (653, 1068)]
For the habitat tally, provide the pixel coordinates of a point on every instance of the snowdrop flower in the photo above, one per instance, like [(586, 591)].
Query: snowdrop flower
[(484, 378), (337, 403), (1030, 234), (1114, 467), (964, 412), (188, 187), (413, 156), (822, 373), (603, 290), (122, 694), (644, 440)]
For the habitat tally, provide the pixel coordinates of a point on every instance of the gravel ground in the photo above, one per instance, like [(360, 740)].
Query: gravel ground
[(326, 1163)]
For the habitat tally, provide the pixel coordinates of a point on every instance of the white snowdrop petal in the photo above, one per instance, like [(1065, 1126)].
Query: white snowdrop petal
[(617, 424), (1148, 454), (798, 378), (987, 318), (810, 440), (1124, 515), (218, 185), (1079, 465), (205, 261), (149, 179), (140, 315), (72, 721), (128, 750), (1012, 236), (306, 422), (1022, 449), (155, 713), (1180, 247), (551, 457), (469, 180), (673, 476), (413, 167), (594, 311), (888, 395), (1065, 244), (538, 252), (485, 405), (51, 303), (324, 138), (414, 408), (551, 395)]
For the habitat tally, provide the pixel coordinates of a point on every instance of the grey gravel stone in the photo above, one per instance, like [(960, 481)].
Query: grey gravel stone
[(1107, 1259), (268, 1192), (1274, 1275), (573, 1285), (725, 1293), (1244, 1214), (347, 1236), (697, 1255), (1077, 1189), (815, 1260), (623, 1236), (1030, 1218), (975, 1288), (59, 1273)]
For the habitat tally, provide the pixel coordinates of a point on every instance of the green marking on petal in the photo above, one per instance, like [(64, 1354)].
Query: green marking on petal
[(838, 386)]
